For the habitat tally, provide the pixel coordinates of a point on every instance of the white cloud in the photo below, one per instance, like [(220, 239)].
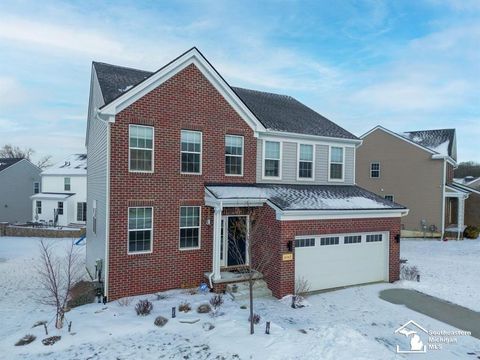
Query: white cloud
[(11, 92)]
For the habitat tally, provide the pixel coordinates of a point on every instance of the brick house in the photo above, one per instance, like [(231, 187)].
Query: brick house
[(177, 159)]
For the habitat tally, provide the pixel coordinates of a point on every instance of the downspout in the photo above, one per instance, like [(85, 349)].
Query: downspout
[(444, 178), (107, 214)]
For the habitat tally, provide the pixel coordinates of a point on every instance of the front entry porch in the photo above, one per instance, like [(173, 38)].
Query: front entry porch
[(454, 212)]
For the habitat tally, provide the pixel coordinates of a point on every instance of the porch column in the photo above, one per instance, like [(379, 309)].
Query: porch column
[(217, 238), (460, 216)]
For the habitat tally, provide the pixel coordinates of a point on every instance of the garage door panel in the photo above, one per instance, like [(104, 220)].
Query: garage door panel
[(330, 266)]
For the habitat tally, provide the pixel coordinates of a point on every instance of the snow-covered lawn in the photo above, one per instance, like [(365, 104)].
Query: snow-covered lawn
[(448, 269), (346, 324)]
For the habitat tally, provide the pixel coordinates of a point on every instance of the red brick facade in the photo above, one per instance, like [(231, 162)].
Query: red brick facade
[(188, 101), (185, 101)]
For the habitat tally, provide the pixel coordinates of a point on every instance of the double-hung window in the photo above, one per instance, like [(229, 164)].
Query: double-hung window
[(191, 152), (60, 208), (66, 184), (305, 162), (336, 163), (38, 207), (233, 155), (272, 155), (140, 229), (189, 227), (141, 148), (375, 170), (36, 187), (81, 211), (389, 198)]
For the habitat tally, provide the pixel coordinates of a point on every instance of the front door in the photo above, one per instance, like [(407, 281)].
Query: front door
[(234, 244)]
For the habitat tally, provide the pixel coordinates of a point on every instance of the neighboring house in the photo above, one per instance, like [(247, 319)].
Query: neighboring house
[(176, 157), (19, 179), (63, 198), (472, 204), (415, 169)]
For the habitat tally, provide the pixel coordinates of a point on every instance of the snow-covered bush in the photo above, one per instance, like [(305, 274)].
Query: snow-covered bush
[(160, 321), (51, 340), (409, 272), (126, 301), (143, 307), (27, 339), (185, 307), (471, 232), (204, 309)]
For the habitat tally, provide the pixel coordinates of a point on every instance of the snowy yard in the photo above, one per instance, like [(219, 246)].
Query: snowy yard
[(346, 324)]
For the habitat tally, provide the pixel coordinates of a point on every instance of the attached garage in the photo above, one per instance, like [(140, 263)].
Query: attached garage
[(331, 261)]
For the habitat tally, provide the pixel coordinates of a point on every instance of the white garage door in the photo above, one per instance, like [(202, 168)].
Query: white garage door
[(330, 261)]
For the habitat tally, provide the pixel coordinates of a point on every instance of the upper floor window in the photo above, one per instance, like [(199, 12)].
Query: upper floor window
[(336, 163), (234, 155), (36, 187), (191, 152), (60, 208), (272, 157), (189, 227), (389, 197), (66, 184), (140, 229), (305, 162), (375, 170), (141, 148)]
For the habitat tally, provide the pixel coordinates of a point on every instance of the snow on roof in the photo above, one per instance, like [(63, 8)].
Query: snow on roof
[(75, 164), (49, 195), (307, 197), (441, 141)]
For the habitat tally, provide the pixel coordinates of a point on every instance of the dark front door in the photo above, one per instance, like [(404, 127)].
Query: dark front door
[(237, 240)]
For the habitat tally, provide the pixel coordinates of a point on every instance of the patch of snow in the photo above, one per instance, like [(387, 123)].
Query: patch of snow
[(442, 148), (75, 164), (125, 89)]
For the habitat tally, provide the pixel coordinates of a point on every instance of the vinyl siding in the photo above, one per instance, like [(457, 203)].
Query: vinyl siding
[(17, 187), (96, 180), (289, 165)]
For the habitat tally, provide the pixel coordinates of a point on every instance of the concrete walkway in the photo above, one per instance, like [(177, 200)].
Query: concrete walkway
[(441, 310)]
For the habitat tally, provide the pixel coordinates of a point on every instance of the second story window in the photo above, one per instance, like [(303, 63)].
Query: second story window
[(66, 184), (36, 187), (375, 170), (272, 155), (191, 152), (305, 162), (233, 155), (336, 163), (141, 148)]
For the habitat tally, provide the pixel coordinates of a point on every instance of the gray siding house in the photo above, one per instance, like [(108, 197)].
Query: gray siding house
[(19, 179)]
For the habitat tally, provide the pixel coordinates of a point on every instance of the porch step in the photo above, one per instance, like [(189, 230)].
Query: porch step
[(260, 289)]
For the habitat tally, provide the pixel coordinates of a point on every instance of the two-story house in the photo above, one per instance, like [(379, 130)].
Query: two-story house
[(63, 197), (415, 168), (19, 179), (176, 156)]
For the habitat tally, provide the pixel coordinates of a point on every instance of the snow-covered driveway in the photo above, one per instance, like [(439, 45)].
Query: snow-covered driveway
[(346, 324)]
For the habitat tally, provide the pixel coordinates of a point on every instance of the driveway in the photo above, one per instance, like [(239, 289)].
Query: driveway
[(441, 310)]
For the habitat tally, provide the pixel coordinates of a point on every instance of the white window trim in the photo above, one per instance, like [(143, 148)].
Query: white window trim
[(69, 183), (298, 162), (379, 170), (393, 197), (128, 231), (330, 162), (190, 152), (280, 160), (153, 149), (76, 210), (190, 227), (242, 156)]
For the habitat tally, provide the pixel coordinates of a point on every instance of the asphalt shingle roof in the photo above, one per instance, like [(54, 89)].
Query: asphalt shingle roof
[(441, 140), (306, 197), (276, 112), (7, 162)]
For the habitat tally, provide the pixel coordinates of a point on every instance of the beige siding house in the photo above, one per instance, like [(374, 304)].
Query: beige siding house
[(414, 169)]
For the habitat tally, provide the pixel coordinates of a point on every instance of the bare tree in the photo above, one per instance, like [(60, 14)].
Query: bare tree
[(11, 151), (57, 275), (257, 250)]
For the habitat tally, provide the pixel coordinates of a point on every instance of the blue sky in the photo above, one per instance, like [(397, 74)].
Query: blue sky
[(406, 65)]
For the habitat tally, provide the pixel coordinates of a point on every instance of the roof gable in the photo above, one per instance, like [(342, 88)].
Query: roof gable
[(7, 162), (441, 140), (120, 86), (75, 164)]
